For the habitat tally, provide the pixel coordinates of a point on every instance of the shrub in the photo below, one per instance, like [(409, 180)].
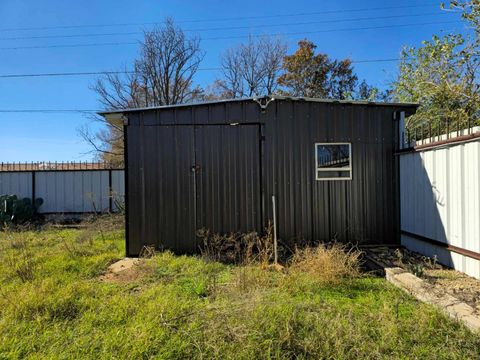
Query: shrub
[(237, 248), (15, 210)]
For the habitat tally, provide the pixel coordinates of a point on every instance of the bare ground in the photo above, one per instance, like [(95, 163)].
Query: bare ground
[(443, 279)]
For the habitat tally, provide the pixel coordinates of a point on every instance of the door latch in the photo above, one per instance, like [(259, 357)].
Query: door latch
[(195, 168)]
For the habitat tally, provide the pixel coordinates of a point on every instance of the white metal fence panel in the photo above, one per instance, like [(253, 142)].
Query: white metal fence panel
[(16, 183), (76, 191), (118, 188), (73, 191), (440, 200)]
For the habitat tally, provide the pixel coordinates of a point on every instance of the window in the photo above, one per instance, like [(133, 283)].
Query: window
[(333, 161)]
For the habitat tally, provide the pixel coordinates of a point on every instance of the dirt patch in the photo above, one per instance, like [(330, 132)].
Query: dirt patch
[(463, 287), (441, 278), (123, 271), (423, 291)]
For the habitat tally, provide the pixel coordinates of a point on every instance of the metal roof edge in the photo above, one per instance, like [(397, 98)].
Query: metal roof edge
[(273, 97)]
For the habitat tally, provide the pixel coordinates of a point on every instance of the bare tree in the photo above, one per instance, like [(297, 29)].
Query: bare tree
[(232, 69), (251, 69), (272, 58), (163, 74)]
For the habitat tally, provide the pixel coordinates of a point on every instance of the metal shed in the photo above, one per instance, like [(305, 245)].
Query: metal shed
[(330, 165)]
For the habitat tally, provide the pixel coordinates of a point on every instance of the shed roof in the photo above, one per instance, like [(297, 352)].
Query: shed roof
[(273, 97)]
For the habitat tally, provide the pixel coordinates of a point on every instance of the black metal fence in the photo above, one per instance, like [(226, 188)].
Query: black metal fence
[(430, 131), (57, 165), (67, 191)]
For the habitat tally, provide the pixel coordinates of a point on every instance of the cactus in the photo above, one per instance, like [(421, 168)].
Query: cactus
[(15, 210)]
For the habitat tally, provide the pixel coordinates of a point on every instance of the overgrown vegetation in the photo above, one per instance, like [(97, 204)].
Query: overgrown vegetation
[(16, 211), (442, 75), (189, 307), (237, 248), (327, 263)]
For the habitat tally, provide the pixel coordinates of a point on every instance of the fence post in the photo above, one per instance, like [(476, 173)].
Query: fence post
[(110, 191), (33, 187)]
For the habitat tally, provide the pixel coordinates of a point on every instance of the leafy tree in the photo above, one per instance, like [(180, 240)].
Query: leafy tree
[(161, 75), (470, 12), (368, 92), (309, 74), (441, 76)]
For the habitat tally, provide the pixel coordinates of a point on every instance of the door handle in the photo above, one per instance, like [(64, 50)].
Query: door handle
[(195, 168)]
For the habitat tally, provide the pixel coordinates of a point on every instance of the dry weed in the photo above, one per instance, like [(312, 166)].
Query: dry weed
[(147, 252), (327, 263), (249, 248)]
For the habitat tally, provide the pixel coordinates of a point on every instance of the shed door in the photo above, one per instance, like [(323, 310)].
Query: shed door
[(161, 188), (185, 178), (228, 185)]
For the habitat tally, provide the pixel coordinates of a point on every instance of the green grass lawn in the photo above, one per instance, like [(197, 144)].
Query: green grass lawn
[(52, 305)]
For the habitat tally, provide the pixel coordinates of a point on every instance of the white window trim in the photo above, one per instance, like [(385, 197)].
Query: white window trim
[(317, 169)]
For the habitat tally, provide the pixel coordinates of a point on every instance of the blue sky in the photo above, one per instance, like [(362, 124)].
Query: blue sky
[(54, 136)]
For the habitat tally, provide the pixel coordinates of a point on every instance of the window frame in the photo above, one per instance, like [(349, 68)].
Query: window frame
[(317, 169)]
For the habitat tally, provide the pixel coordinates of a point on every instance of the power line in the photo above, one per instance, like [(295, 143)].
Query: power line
[(233, 37), (70, 36), (8, 76), (227, 28), (68, 46), (88, 73), (334, 30), (221, 19), (375, 60), (48, 111)]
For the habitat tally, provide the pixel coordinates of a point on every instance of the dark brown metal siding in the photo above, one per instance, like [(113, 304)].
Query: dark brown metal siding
[(363, 209), (160, 188), (228, 180), (239, 172)]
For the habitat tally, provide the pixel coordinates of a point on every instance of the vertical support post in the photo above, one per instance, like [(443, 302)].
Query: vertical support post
[(126, 191), (110, 191), (402, 143), (33, 187), (275, 252), (430, 140), (423, 133)]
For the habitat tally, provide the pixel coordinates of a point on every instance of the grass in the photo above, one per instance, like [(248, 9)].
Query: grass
[(52, 305)]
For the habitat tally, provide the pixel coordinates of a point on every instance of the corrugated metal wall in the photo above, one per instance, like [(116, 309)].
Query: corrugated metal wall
[(364, 210), (228, 189), (440, 200), (118, 188), (17, 183), (361, 210), (164, 190), (66, 191)]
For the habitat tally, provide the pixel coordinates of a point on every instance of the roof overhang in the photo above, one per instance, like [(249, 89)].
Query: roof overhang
[(110, 114), (115, 116)]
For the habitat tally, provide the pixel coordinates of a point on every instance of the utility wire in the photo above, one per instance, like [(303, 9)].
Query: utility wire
[(234, 37), (227, 28), (47, 111), (14, 76), (222, 19), (335, 30), (69, 46)]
